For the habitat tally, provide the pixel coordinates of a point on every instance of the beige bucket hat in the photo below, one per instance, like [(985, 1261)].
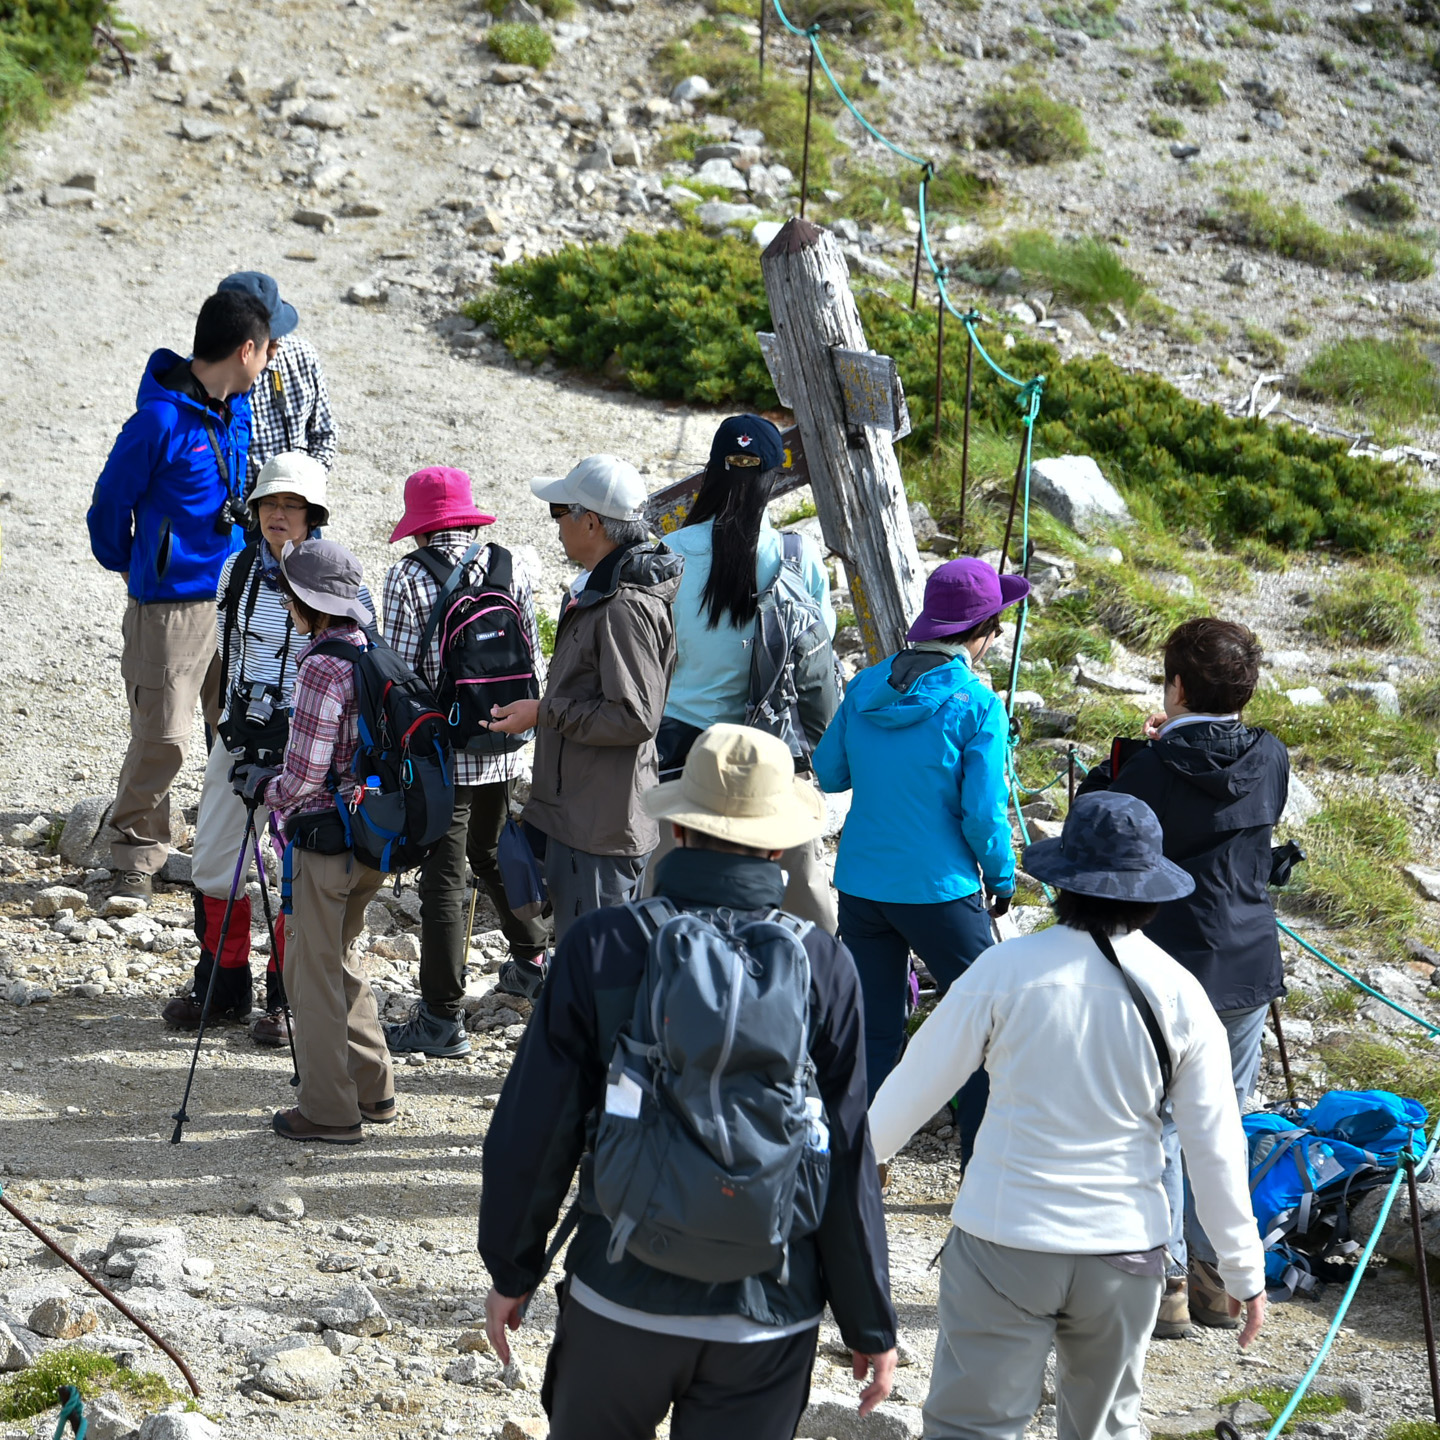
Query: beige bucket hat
[(739, 784)]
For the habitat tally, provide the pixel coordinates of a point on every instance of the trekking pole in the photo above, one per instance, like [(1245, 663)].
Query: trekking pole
[(182, 1114), (275, 956), (100, 1287), (1421, 1269), (474, 901), (568, 1224), (1284, 1052)]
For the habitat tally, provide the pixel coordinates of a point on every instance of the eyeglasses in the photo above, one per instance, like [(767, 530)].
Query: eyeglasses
[(557, 511), (267, 503)]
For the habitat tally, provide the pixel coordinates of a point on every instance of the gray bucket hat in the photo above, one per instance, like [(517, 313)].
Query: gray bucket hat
[(1111, 847), (326, 576)]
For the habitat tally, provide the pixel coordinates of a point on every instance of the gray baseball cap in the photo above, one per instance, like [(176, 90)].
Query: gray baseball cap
[(326, 576), (603, 483)]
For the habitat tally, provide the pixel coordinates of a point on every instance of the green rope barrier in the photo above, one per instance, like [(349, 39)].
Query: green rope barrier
[(1355, 980), (1284, 1417)]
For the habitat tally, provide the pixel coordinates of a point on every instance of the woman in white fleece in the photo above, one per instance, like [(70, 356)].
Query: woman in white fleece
[(1061, 1219)]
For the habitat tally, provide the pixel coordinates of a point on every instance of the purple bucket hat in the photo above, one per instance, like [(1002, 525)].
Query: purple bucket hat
[(962, 593)]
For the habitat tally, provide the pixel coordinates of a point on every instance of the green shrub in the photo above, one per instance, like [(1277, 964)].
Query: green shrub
[(1190, 82), (1374, 607), (1033, 126), (45, 48), (1167, 127), (1384, 200), (1252, 218), (1391, 380), (32, 1391), (681, 310), (521, 44)]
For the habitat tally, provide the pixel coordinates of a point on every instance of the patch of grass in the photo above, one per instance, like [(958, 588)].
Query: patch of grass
[(1390, 380), (1253, 219), (1167, 127), (779, 110), (550, 9), (1086, 272), (1129, 604), (1413, 1429), (1275, 1399), (1357, 1063), (1373, 607), (1382, 831), (1059, 640), (1340, 1003), (882, 17), (1096, 18), (1190, 82), (1420, 700), (32, 1391), (680, 143), (871, 194), (517, 44), (1267, 348), (1100, 718), (1350, 735), (1384, 200), (1349, 876), (1376, 31), (1032, 125), (1385, 162)]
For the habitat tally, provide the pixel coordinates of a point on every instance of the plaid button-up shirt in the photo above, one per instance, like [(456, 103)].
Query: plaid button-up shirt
[(324, 731), (410, 593), (290, 407)]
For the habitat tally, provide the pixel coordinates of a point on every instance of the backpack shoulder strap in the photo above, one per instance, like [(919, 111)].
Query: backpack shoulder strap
[(651, 914), (793, 548), (1142, 1004), (793, 923), (240, 573), (501, 572), (449, 583)]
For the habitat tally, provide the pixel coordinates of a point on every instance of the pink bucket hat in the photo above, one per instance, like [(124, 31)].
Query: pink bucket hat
[(438, 498)]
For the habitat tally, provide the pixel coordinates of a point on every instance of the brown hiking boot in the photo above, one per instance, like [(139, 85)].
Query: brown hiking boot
[(270, 1029), (292, 1125), (1209, 1305), (183, 1012), (1173, 1321), (379, 1112)]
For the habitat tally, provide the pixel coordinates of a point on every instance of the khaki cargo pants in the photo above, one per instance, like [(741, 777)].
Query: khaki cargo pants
[(168, 648)]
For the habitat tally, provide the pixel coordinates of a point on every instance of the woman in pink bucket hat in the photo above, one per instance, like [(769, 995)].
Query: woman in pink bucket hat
[(920, 742)]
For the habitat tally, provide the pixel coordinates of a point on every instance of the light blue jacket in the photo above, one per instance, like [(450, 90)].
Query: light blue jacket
[(926, 764), (712, 667)]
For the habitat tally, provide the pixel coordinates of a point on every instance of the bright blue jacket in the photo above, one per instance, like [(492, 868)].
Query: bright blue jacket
[(926, 764), (155, 504)]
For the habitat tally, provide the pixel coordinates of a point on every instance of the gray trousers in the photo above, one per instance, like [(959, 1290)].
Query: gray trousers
[(1000, 1312), (1245, 1029), (580, 882)]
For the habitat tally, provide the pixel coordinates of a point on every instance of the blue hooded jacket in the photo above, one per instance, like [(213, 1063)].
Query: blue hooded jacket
[(155, 504), (925, 758)]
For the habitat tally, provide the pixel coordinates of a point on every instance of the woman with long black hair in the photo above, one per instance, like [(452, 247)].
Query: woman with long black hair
[(732, 555)]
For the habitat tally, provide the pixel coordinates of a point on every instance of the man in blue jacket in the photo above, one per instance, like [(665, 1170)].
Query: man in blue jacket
[(163, 515), (920, 742)]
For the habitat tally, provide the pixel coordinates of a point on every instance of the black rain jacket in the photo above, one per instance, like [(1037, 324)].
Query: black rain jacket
[(544, 1121), (1218, 787)]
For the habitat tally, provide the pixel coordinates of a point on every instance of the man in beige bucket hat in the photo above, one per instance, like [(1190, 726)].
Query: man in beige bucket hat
[(636, 1339)]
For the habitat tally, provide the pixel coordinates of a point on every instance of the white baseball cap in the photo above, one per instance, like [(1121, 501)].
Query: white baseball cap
[(603, 483), (292, 473)]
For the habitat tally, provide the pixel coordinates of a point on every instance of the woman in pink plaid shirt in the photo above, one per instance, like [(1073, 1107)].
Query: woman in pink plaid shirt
[(344, 1063)]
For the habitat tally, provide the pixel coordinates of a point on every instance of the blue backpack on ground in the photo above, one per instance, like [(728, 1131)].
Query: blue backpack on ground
[(1308, 1167)]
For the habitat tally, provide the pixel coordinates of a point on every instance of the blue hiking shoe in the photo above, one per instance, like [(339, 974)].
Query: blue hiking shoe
[(428, 1034)]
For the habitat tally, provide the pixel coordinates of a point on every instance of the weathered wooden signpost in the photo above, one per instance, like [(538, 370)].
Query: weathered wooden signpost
[(848, 407)]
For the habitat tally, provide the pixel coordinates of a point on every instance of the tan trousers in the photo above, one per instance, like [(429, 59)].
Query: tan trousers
[(168, 647), (808, 893), (219, 828), (339, 1046)]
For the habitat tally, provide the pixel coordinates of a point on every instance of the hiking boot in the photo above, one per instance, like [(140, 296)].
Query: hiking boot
[(128, 893), (292, 1125), (884, 1172), (429, 1034), (1173, 1321), (379, 1112), (271, 1029), (183, 1012), (1209, 1305), (525, 978)]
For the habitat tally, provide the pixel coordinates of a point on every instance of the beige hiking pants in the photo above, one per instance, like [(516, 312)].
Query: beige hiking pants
[(339, 1046), (168, 647)]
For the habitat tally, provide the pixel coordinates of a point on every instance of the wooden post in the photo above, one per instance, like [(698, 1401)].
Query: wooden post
[(854, 474)]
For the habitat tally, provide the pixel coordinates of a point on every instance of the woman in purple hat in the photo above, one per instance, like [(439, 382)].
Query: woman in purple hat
[(920, 742)]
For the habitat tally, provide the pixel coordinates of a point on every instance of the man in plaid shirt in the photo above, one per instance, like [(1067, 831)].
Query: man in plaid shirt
[(440, 513), (290, 404)]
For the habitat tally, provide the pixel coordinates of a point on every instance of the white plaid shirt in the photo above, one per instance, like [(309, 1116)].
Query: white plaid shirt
[(298, 416), (410, 593)]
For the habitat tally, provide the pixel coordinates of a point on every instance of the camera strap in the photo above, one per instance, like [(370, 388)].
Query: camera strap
[(1142, 1004), (221, 463)]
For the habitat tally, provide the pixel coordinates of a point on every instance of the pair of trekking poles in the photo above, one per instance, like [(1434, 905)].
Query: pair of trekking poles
[(249, 849)]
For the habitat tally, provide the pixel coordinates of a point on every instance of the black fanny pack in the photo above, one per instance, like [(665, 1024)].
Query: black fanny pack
[(321, 831)]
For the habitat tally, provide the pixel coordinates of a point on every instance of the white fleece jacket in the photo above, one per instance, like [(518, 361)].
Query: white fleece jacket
[(1068, 1157)]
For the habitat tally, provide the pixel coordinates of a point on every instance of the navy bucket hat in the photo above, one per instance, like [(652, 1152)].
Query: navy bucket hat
[(1111, 847)]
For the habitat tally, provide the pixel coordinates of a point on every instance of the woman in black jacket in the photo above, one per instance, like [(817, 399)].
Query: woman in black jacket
[(1219, 786)]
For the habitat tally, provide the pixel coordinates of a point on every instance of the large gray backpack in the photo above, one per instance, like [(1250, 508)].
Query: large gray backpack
[(794, 681), (712, 1153)]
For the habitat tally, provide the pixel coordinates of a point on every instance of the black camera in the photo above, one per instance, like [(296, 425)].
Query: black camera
[(232, 512), (257, 725), (1283, 859)]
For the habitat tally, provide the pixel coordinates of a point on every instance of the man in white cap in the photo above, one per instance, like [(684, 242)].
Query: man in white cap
[(639, 1334), (595, 724)]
